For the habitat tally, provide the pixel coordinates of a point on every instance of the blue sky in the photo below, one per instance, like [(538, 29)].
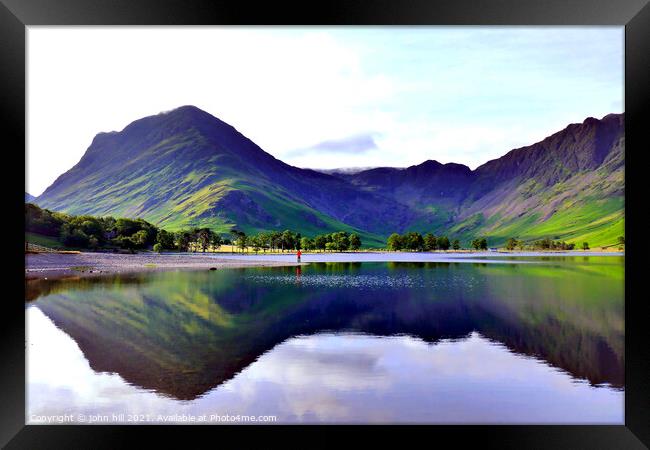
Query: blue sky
[(323, 97)]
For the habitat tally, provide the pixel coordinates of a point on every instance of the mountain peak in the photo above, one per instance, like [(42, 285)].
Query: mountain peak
[(176, 119), (433, 166), (186, 168), (430, 163), (188, 110)]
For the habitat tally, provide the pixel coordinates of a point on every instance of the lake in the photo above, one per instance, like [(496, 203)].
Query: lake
[(525, 339)]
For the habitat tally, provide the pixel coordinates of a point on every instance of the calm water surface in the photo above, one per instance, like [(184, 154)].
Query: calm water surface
[(537, 340)]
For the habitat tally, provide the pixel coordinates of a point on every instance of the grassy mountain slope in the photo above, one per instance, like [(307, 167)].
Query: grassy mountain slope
[(569, 186), (187, 168)]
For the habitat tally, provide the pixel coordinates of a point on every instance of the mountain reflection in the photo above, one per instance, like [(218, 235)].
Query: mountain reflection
[(183, 333)]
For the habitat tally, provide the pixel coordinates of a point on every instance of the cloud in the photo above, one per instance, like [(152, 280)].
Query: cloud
[(311, 95), (359, 143)]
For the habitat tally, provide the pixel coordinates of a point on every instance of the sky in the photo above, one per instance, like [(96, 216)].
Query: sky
[(322, 97)]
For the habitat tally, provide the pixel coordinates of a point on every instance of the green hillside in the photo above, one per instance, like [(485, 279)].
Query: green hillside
[(186, 168), (599, 223)]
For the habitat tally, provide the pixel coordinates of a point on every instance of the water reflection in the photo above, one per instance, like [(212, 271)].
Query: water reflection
[(183, 334)]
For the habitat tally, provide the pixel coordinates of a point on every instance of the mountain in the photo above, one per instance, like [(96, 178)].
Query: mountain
[(432, 188), (343, 170), (29, 197), (571, 185), (568, 186), (187, 168)]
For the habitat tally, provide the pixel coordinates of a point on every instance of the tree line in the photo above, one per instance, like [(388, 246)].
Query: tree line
[(89, 232), (549, 244), (415, 241), (289, 241)]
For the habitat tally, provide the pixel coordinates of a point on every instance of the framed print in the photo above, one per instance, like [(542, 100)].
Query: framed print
[(423, 217)]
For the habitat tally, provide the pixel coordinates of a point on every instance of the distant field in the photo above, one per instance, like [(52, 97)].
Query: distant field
[(45, 241)]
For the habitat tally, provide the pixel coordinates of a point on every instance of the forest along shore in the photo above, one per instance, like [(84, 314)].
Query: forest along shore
[(49, 265)]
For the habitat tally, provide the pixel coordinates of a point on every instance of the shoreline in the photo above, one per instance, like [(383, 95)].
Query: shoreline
[(89, 264)]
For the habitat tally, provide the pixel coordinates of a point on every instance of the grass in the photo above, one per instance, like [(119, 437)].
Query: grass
[(598, 222), (45, 241), (82, 268), (179, 179)]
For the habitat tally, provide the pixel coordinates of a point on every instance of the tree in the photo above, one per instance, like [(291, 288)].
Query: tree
[(443, 243), (165, 239), (430, 242), (288, 240), (242, 241), (93, 242), (394, 242), (585, 245), (91, 226), (511, 243), (43, 221), (203, 237), (139, 238), (320, 242), (125, 242), (456, 244), (306, 243), (256, 243), (355, 242), (621, 241), (126, 227), (341, 241), (157, 247), (236, 235), (414, 241), (275, 240), (479, 244), (72, 237), (183, 239), (216, 241)]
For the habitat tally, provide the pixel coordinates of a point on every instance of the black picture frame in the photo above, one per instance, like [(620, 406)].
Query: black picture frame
[(15, 15)]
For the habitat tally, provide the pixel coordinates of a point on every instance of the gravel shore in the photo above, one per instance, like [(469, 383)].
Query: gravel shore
[(42, 265)]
